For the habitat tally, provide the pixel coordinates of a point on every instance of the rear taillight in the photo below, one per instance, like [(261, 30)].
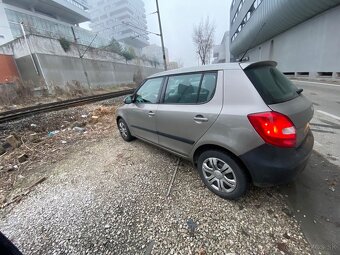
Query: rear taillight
[(275, 128)]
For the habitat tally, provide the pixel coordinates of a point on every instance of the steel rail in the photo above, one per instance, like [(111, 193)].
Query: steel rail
[(56, 106)]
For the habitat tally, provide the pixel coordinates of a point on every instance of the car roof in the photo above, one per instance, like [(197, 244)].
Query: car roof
[(214, 67), (249, 65)]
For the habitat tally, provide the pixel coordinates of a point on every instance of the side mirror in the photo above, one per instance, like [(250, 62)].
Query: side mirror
[(128, 100)]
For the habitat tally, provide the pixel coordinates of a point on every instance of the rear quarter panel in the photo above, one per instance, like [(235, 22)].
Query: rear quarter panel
[(232, 129)]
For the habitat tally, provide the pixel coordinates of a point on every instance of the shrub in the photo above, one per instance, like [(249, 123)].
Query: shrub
[(65, 44), (128, 55), (114, 46)]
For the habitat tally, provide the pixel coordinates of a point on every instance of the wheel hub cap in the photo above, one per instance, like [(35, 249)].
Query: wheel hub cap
[(219, 175)]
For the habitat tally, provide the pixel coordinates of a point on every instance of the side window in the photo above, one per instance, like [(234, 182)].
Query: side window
[(149, 91), (182, 89), (208, 86), (190, 88)]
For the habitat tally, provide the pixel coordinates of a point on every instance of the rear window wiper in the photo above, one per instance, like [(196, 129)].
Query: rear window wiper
[(299, 91)]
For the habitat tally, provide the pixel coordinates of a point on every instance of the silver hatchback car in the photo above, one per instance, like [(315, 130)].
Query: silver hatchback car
[(239, 123)]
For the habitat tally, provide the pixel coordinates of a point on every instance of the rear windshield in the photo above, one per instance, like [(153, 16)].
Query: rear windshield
[(271, 84)]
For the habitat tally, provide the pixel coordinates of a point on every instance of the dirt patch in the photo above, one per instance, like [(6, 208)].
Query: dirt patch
[(46, 139)]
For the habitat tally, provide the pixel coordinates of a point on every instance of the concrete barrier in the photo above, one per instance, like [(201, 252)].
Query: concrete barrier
[(57, 67)]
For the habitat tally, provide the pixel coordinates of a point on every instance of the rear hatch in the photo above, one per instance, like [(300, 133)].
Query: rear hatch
[(281, 95)]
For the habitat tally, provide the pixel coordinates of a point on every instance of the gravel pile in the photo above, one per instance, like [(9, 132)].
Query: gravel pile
[(109, 198)]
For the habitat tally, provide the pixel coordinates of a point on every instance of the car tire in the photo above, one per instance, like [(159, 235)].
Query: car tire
[(124, 130), (222, 174)]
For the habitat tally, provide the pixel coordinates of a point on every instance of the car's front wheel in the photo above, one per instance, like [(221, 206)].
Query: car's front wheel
[(222, 174), (124, 130)]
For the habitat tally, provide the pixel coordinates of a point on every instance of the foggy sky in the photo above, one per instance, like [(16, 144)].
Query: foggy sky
[(178, 19)]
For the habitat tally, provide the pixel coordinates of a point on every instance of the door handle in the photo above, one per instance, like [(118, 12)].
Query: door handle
[(200, 118), (151, 113)]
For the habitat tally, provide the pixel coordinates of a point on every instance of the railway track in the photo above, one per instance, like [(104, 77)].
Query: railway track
[(55, 106)]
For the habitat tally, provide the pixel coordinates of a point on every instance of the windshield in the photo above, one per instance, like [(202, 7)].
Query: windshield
[(271, 84)]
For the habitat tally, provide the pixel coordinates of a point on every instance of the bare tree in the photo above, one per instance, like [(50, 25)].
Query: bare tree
[(203, 38)]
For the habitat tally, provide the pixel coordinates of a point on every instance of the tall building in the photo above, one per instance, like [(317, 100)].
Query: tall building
[(221, 52), (44, 17), (302, 36), (123, 20)]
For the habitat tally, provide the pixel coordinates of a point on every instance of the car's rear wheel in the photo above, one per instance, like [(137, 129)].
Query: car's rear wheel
[(124, 130), (222, 174)]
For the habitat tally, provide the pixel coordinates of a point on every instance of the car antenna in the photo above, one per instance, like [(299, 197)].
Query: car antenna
[(264, 23)]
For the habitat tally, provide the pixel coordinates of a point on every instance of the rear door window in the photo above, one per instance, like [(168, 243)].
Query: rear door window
[(271, 84), (195, 88), (182, 89)]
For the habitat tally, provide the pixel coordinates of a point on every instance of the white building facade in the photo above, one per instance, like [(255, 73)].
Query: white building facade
[(221, 52), (123, 20), (302, 36), (52, 18)]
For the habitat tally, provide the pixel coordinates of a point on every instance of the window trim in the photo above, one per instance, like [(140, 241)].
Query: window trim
[(165, 85)]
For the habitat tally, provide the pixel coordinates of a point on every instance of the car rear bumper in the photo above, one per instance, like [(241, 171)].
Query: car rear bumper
[(269, 165)]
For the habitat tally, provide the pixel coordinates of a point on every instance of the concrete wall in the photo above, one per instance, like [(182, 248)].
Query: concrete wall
[(59, 70), (311, 47), (46, 45), (57, 67), (28, 72)]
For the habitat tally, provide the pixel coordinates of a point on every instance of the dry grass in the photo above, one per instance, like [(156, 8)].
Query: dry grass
[(76, 89), (18, 93), (104, 110), (21, 94), (24, 90), (71, 90)]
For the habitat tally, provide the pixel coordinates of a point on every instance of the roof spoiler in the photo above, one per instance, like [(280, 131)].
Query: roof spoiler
[(246, 66)]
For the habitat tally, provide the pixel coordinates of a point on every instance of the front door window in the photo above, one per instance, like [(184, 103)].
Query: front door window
[(149, 92)]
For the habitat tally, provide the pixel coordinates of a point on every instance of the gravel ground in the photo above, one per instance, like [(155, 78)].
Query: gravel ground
[(109, 198)]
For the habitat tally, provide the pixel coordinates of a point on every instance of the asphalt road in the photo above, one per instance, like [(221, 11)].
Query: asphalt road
[(315, 195), (326, 122), (326, 97)]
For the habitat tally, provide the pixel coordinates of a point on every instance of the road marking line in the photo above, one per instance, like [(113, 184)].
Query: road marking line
[(312, 82), (329, 115), (318, 144)]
